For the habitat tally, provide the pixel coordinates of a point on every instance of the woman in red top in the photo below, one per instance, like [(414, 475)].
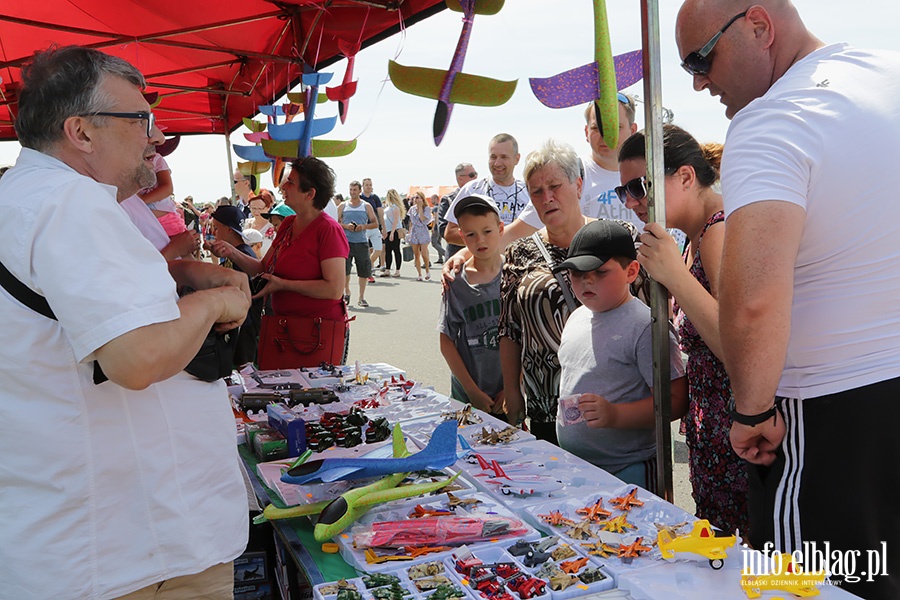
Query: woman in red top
[(304, 268)]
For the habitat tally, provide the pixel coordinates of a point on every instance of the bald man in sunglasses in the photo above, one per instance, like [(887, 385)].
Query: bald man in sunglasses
[(808, 311)]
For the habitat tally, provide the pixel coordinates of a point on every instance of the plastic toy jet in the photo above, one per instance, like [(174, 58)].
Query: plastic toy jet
[(440, 453), (453, 86), (488, 469), (522, 485), (633, 550), (597, 81), (342, 93), (701, 540), (500, 455), (626, 502), (556, 519), (595, 512)]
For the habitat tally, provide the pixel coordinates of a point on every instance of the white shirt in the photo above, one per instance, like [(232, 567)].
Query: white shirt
[(512, 200), (598, 198), (824, 137), (104, 490)]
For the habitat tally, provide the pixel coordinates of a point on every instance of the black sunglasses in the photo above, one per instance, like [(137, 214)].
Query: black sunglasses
[(699, 62), (143, 115), (636, 188)]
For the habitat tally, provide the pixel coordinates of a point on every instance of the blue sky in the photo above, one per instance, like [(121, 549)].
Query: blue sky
[(528, 38)]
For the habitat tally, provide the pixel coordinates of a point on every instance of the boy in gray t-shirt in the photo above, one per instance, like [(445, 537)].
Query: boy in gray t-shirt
[(606, 358), (470, 309)]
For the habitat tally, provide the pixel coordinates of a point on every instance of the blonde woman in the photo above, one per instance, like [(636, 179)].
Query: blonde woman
[(394, 212), (419, 235)]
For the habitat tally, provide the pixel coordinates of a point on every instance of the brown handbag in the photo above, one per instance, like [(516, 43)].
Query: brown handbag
[(292, 342)]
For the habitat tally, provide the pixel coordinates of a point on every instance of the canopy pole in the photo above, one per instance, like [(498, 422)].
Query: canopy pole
[(659, 298), (228, 154)]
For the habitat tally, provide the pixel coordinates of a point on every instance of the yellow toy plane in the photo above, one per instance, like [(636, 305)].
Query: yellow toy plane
[(788, 579), (618, 524), (701, 540)]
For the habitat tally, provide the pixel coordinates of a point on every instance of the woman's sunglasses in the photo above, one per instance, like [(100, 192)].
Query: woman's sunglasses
[(636, 188)]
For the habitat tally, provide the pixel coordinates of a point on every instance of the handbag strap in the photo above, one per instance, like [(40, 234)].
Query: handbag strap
[(563, 285), (38, 304)]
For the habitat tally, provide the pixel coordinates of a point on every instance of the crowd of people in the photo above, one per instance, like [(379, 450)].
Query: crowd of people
[(783, 339)]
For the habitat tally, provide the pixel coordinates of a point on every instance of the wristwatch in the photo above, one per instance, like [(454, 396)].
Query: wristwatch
[(750, 420)]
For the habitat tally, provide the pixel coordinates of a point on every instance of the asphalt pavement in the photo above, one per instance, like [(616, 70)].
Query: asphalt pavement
[(399, 328)]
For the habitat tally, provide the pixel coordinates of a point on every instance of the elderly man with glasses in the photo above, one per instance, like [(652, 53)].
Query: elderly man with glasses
[(810, 276), (132, 484)]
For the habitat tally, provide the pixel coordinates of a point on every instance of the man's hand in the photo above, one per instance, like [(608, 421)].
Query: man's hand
[(598, 411), (234, 304), (758, 445), (204, 276), (499, 405)]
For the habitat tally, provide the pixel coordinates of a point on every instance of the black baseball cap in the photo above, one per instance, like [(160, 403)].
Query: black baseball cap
[(596, 243), (475, 200), (231, 217)]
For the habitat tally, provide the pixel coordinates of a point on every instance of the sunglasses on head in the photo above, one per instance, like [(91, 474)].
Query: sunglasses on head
[(699, 62)]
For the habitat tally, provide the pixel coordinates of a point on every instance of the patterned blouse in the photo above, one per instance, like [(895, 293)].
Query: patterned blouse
[(533, 312)]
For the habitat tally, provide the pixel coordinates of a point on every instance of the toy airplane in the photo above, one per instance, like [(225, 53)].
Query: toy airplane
[(338, 514), (440, 453), (787, 578), (493, 436), (573, 566), (522, 485), (581, 531), (633, 550), (453, 86), (419, 512), (617, 525), (454, 502), (500, 455), (597, 81), (556, 519), (595, 512), (342, 93), (489, 470), (701, 540), (626, 502)]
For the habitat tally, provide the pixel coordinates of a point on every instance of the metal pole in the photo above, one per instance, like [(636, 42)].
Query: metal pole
[(228, 154), (659, 298)]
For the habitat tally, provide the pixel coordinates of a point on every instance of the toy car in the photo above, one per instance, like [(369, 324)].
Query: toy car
[(527, 587)]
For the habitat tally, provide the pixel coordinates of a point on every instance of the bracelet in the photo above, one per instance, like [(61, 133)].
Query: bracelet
[(750, 420)]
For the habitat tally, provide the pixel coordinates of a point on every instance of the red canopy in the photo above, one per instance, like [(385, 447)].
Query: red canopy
[(211, 61)]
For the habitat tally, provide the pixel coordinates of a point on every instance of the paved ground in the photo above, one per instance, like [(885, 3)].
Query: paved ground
[(398, 328)]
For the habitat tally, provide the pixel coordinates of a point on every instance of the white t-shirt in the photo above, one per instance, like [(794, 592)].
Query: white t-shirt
[(824, 137), (598, 198), (104, 490), (512, 200)]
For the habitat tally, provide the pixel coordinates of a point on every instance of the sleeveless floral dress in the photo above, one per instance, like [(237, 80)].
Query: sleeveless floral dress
[(718, 475)]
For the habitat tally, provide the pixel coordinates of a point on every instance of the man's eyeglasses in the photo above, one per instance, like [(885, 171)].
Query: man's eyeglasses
[(699, 63), (144, 115), (473, 175), (636, 188)]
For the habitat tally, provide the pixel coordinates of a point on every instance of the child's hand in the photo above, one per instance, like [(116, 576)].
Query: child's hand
[(598, 411), (481, 401)]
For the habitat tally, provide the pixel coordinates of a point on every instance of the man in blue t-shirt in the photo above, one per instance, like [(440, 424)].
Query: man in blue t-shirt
[(374, 235)]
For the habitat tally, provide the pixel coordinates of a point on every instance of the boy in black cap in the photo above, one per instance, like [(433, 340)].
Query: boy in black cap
[(607, 362), (470, 309)]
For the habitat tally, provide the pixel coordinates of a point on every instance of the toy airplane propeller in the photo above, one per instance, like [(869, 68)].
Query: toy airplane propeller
[(439, 453), (342, 93), (453, 86), (598, 81)]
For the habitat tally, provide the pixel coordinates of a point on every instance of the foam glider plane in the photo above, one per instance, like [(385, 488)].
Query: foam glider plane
[(439, 453), (453, 86), (342, 93), (338, 514), (597, 81)]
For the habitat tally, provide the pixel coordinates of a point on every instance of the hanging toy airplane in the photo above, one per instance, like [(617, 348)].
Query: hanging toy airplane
[(342, 93), (598, 81), (453, 86), (439, 453)]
